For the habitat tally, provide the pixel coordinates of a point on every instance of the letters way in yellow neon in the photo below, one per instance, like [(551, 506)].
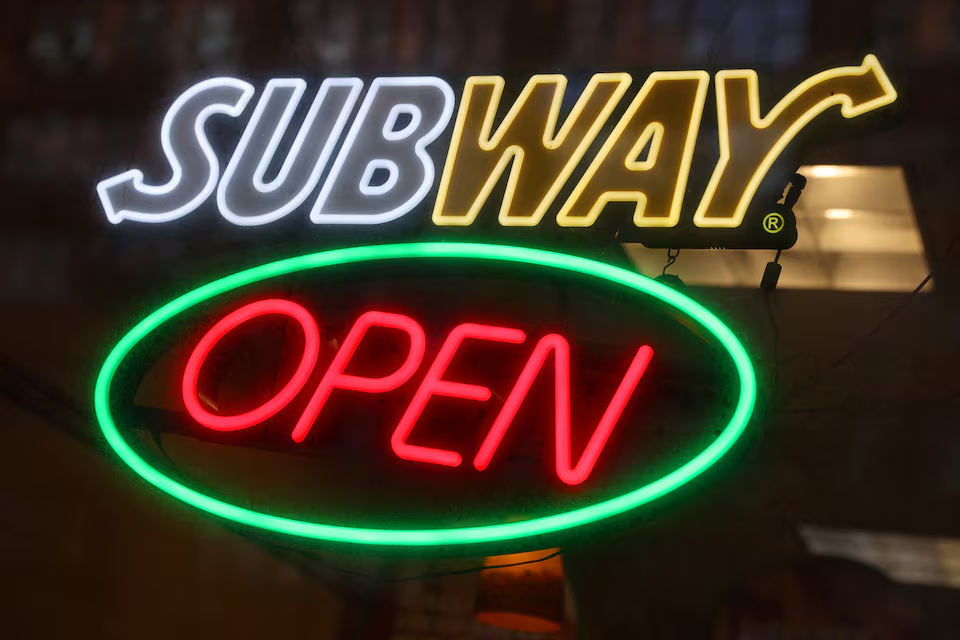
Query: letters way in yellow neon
[(544, 158), (664, 114), (745, 160)]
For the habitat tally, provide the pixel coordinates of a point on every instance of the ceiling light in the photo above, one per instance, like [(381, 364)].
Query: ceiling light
[(857, 232), (827, 171), (838, 214)]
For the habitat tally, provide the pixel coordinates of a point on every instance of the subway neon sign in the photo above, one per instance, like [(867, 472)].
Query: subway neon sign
[(424, 376), (365, 153), (491, 388)]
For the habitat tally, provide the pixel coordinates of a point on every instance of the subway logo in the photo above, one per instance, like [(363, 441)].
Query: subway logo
[(551, 155)]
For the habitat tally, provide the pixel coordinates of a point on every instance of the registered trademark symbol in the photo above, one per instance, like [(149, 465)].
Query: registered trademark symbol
[(773, 223)]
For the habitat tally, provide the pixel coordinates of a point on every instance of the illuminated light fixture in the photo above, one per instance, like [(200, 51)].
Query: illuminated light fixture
[(645, 160), (828, 171), (310, 147), (838, 214), (527, 596), (336, 204), (432, 384), (857, 90), (510, 146), (613, 189), (727, 434), (226, 96)]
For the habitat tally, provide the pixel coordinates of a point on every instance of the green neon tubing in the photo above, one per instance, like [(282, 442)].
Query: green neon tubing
[(449, 536)]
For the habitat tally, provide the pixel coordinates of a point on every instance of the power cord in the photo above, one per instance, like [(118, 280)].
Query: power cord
[(283, 550), (812, 383)]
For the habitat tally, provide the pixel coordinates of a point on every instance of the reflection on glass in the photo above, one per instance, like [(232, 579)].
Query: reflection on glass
[(911, 559), (857, 232)]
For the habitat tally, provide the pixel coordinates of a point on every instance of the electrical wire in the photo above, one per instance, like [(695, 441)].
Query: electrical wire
[(812, 383), (886, 319), (373, 578), (477, 569), (28, 391), (343, 570), (775, 340)]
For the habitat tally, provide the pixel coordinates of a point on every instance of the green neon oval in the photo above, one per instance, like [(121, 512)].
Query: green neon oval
[(433, 537)]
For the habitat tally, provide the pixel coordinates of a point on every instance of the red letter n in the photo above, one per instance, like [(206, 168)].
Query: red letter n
[(561, 349), (434, 385)]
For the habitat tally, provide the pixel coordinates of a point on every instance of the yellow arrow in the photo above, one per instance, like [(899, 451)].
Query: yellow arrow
[(749, 144)]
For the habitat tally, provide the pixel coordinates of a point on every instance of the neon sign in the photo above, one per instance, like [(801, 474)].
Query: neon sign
[(383, 170), (440, 379), (432, 384), (628, 161)]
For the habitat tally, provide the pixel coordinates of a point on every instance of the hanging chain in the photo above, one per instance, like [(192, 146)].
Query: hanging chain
[(671, 258)]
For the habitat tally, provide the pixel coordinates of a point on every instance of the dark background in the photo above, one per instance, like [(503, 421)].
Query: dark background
[(857, 426)]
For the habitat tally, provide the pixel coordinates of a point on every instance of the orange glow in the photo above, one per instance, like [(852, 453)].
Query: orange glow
[(523, 597), (517, 621)]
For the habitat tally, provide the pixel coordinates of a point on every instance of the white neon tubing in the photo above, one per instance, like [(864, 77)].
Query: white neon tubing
[(420, 148), (116, 217), (395, 112), (369, 190), (299, 87)]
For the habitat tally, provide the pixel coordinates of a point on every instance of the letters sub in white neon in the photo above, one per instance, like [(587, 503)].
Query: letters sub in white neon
[(107, 189), (324, 212), (390, 132), (248, 145), (393, 174)]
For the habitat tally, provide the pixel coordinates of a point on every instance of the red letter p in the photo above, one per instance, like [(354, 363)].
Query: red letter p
[(335, 378)]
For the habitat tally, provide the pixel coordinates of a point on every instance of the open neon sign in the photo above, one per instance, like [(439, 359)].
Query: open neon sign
[(439, 379), (433, 384)]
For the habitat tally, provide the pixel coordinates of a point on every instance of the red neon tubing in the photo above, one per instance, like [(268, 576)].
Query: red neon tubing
[(335, 378), (433, 384), (558, 344), (191, 374)]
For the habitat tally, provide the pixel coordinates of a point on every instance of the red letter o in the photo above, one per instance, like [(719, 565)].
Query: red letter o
[(311, 350)]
